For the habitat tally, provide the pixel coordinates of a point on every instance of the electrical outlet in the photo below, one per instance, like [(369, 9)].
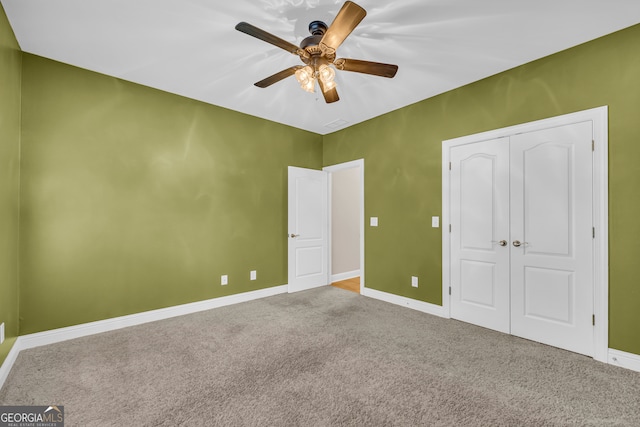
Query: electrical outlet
[(253, 275), (224, 280), (414, 281), (2, 333)]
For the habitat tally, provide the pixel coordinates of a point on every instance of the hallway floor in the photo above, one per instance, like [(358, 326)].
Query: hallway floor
[(352, 284)]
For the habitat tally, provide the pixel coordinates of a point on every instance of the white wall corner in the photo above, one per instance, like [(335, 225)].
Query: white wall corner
[(425, 307), (624, 360)]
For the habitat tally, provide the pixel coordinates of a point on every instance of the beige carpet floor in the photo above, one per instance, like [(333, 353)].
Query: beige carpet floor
[(325, 357)]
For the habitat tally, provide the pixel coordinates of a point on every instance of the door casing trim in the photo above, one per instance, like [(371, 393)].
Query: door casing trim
[(599, 117), (339, 167)]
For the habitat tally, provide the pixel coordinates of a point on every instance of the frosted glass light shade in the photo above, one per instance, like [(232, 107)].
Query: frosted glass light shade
[(306, 79)]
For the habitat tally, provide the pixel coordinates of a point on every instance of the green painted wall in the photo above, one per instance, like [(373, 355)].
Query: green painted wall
[(134, 199), (10, 65), (402, 152)]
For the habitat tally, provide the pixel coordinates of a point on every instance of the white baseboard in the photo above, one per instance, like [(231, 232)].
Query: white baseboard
[(615, 357), (300, 288), (62, 334), (624, 360), (425, 307), (9, 361), (344, 276)]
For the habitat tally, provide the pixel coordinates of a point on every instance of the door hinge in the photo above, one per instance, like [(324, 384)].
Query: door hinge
[(449, 165), (593, 232), (593, 145), (449, 228), (593, 319), (449, 290)]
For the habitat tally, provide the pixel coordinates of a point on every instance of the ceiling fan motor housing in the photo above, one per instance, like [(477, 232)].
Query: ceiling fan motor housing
[(317, 28), (311, 44)]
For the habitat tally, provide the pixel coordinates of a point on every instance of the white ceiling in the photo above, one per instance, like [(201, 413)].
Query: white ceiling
[(190, 47)]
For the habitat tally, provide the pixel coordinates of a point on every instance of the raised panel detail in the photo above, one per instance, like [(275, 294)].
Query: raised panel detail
[(309, 261), (549, 294), (548, 199), (477, 201), (310, 195), (477, 283)]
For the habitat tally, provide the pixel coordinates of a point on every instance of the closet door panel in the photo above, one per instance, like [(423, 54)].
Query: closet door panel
[(551, 237), (480, 220)]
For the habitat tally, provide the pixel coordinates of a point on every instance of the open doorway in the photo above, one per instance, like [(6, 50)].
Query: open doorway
[(346, 224)]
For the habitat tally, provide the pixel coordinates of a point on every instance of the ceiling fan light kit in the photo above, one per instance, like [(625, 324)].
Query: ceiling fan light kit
[(318, 53), (307, 77)]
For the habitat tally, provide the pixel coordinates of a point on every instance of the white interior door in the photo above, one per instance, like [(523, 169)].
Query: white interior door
[(480, 233), (308, 229), (533, 193), (551, 233)]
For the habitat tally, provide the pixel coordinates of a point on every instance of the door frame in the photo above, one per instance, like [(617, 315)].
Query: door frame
[(599, 117), (339, 167)]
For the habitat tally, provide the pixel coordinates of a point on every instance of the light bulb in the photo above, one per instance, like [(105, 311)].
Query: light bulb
[(327, 86), (309, 86), (327, 74), (304, 74)]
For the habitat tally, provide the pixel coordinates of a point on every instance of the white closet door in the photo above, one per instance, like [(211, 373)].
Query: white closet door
[(480, 234), (551, 237)]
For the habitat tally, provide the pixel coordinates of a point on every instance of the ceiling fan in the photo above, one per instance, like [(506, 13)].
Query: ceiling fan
[(318, 53)]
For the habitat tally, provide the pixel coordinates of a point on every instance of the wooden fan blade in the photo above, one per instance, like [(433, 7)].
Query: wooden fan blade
[(329, 96), (366, 67), (278, 76), (267, 37), (346, 20)]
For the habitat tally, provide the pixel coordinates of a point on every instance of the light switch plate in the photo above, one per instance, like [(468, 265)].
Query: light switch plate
[(435, 221), (374, 221), (2, 333), (253, 274), (414, 281), (224, 279)]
